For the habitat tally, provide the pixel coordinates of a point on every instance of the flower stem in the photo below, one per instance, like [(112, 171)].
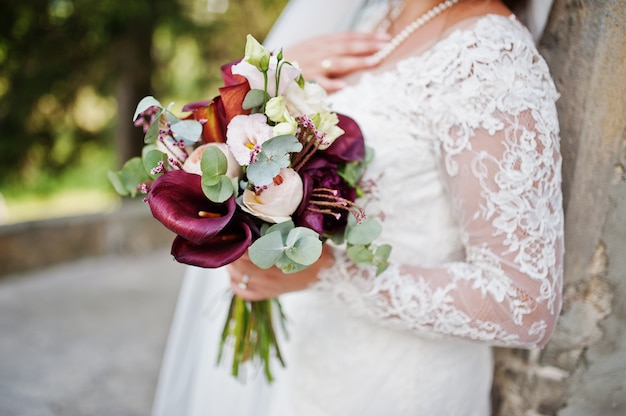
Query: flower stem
[(249, 330)]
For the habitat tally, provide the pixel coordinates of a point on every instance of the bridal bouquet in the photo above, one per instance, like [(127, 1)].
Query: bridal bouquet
[(264, 168)]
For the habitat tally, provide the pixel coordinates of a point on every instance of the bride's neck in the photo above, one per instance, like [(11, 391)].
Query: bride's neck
[(437, 27), (434, 29)]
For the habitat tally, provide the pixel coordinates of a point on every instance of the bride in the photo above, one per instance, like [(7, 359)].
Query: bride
[(459, 107)]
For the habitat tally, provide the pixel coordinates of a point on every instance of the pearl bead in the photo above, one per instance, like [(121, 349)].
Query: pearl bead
[(412, 27)]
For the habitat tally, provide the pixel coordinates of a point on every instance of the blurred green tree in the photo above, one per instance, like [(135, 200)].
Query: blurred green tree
[(72, 71)]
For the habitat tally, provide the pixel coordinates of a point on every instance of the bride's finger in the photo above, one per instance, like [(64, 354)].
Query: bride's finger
[(354, 43), (343, 65)]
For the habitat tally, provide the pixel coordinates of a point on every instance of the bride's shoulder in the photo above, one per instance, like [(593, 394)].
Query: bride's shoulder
[(491, 39), (489, 30)]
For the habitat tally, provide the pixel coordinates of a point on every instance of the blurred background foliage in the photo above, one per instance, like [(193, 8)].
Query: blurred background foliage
[(72, 72)]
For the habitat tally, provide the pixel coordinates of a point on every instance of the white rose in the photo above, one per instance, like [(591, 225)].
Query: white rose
[(192, 164), (276, 203)]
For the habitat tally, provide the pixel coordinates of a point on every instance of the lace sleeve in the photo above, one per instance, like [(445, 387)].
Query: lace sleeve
[(501, 164)]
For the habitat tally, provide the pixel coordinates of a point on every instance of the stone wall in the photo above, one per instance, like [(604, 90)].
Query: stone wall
[(31, 245), (582, 371)]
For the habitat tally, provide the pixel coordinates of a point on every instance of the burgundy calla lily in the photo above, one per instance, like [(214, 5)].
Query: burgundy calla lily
[(177, 201), (350, 146), (227, 74), (222, 249)]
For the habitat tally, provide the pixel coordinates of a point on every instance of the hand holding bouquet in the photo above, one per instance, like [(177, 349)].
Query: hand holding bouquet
[(264, 168)]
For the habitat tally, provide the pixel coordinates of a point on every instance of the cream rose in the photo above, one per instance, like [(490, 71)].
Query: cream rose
[(278, 201)]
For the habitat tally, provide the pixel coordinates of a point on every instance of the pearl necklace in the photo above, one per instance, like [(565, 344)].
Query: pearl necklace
[(412, 27)]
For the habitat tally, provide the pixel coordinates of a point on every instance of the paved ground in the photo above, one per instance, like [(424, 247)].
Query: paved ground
[(86, 338)]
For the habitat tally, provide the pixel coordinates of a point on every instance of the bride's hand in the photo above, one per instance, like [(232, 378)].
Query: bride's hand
[(269, 283), (328, 59)]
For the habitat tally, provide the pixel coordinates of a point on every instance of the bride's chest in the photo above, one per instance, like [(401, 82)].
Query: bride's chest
[(394, 116)]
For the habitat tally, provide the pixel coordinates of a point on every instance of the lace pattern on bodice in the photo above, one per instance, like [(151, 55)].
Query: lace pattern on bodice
[(483, 100)]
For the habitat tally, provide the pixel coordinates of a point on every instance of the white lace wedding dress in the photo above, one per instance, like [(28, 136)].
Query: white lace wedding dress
[(466, 182)]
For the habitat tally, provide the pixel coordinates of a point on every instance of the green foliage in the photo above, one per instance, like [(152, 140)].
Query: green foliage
[(151, 157), (215, 184), (351, 172), (273, 156), (127, 180), (287, 247), (139, 170), (255, 99), (359, 238)]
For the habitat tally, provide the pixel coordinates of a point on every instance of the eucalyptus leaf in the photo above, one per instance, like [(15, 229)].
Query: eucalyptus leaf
[(213, 162), (298, 233), (274, 155), (263, 171), (338, 238), (217, 189), (254, 99), (369, 155), (360, 254), (381, 268), (127, 180), (144, 104), (151, 157), (153, 131), (287, 266), (281, 145), (267, 250), (116, 181), (382, 258), (305, 250), (351, 172), (363, 233), (169, 116), (383, 252), (187, 130), (284, 228)]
